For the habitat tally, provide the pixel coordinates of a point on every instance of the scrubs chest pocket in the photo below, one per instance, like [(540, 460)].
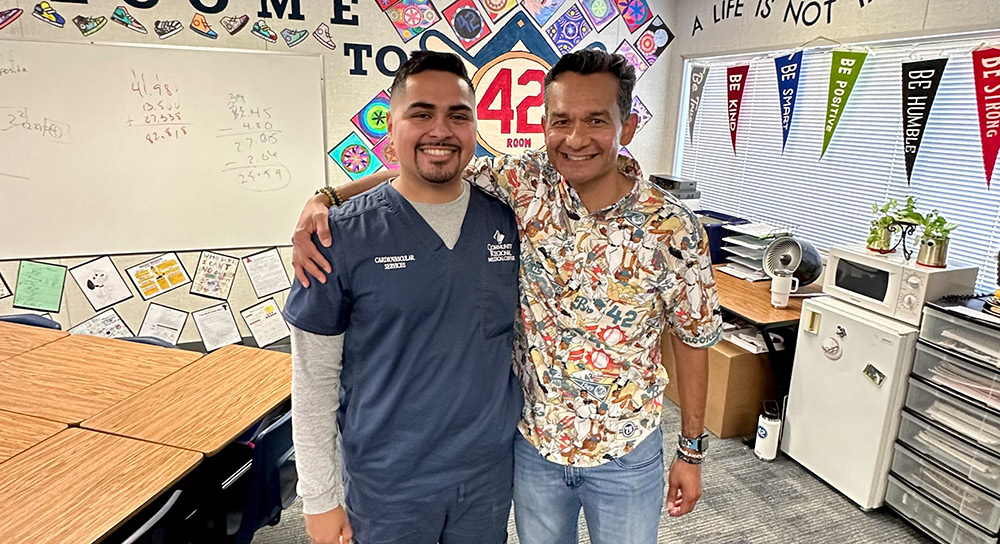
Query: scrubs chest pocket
[(498, 297)]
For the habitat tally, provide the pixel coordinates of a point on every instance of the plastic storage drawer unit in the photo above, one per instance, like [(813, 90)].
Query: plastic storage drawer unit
[(931, 518)]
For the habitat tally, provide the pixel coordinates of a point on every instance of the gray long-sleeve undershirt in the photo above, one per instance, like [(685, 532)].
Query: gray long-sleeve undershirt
[(317, 361)]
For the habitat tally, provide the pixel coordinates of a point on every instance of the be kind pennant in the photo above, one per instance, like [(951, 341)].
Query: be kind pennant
[(698, 76), (736, 83), (788, 88), (920, 84), (986, 68), (843, 74)]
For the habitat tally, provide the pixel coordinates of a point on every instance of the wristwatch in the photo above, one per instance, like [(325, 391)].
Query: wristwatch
[(698, 444)]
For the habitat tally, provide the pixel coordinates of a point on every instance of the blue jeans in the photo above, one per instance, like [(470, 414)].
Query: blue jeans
[(621, 499)]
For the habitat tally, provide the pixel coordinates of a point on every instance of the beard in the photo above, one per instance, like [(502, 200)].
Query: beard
[(438, 173)]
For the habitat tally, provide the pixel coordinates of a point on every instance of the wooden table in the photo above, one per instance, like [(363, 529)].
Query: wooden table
[(207, 404), (751, 300), (19, 432), (79, 486), (16, 339), (76, 377)]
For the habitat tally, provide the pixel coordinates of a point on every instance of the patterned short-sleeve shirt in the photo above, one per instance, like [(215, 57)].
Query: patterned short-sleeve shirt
[(597, 290)]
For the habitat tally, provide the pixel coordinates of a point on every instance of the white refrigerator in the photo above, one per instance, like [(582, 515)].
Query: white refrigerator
[(847, 388)]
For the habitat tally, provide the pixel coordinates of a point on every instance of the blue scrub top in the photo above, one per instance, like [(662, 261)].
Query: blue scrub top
[(428, 395)]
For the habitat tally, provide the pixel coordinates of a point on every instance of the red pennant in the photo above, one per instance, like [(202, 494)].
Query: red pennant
[(986, 68), (736, 82)]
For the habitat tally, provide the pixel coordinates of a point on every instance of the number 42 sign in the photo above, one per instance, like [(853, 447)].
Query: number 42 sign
[(511, 102)]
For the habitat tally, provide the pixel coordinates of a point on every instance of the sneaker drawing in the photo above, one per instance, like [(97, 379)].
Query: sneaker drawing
[(8, 16), (89, 25), (294, 37), (200, 25), (264, 32), (322, 35), (124, 18), (45, 12), (235, 24), (166, 29)]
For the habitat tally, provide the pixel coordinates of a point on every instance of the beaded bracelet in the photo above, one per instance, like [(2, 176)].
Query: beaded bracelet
[(690, 458), (332, 194)]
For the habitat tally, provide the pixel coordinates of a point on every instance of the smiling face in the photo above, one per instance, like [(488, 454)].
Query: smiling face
[(584, 129), (432, 126)]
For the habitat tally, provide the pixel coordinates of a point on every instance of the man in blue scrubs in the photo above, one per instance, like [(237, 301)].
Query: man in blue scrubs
[(406, 350)]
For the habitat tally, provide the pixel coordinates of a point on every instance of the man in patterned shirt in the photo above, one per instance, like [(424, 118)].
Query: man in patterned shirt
[(608, 264)]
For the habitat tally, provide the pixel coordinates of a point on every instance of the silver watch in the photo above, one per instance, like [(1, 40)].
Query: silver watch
[(698, 444)]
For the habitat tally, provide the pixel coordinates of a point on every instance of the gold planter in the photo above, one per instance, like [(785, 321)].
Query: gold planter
[(933, 252), (883, 242)]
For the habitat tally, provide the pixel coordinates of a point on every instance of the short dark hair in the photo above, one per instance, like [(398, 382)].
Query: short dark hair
[(423, 61), (596, 61)]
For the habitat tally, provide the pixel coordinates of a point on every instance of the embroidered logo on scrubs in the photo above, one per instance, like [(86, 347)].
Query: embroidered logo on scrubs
[(500, 252), (394, 261), (498, 236)]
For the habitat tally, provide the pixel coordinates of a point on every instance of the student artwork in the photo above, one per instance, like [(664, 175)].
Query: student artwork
[(124, 18), (569, 30), (45, 13), (635, 13), (844, 72), (217, 326), (294, 37), (214, 275), (383, 150), (39, 286), (107, 324), (373, 119), (101, 283), (267, 273), (354, 157), (8, 16), (166, 29), (4, 288), (654, 40), (411, 17), (265, 322), (163, 322), (89, 25), (633, 57), (496, 9), (467, 22), (233, 24), (158, 275), (385, 4), (600, 12), (199, 24), (626, 152), (640, 110), (542, 10)]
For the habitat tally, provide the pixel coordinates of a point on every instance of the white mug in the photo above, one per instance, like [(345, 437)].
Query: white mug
[(781, 287)]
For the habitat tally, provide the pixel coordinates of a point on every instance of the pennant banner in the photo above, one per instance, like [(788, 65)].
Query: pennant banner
[(843, 74), (920, 84), (698, 76), (736, 82), (986, 68), (788, 88)]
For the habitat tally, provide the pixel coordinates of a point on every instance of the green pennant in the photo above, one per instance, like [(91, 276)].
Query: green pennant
[(843, 74)]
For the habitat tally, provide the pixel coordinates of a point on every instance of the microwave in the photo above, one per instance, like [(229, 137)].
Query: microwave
[(889, 284)]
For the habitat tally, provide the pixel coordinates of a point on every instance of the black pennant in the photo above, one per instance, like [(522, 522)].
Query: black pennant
[(920, 85)]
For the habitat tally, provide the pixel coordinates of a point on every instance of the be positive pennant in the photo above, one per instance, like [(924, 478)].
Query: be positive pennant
[(736, 83), (788, 88), (986, 68), (920, 84), (698, 76), (843, 74)]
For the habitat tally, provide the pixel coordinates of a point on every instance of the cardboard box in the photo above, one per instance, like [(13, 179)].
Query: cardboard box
[(738, 384)]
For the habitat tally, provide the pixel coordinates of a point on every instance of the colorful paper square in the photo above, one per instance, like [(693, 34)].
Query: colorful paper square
[(543, 10), (373, 119), (633, 57), (355, 158), (600, 12), (496, 9), (387, 159), (626, 152), (654, 40), (640, 110), (569, 30), (467, 22), (385, 4), (635, 13), (411, 17)]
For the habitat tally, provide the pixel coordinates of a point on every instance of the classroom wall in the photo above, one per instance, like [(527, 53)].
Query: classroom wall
[(518, 40), (710, 28)]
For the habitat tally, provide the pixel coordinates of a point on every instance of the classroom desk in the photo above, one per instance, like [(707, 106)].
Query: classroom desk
[(77, 376), (19, 432), (206, 405), (61, 491), (16, 339)]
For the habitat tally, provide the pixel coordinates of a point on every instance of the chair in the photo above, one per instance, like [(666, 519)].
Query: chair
[(270, 483), (32, 320), (151, 340), (154, 529)]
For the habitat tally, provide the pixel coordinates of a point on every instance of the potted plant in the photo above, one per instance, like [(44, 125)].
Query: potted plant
[(934, 240), (889, 217)]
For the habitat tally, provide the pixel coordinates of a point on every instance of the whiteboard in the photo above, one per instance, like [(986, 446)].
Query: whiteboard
[(110, 149)]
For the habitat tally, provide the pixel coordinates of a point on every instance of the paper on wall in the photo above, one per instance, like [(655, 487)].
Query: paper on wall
[(265, 322), (217, 326)]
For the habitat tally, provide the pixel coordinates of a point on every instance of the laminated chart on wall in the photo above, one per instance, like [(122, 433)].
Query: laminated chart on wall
[(154, 148), (158, 275), (39, 286)]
